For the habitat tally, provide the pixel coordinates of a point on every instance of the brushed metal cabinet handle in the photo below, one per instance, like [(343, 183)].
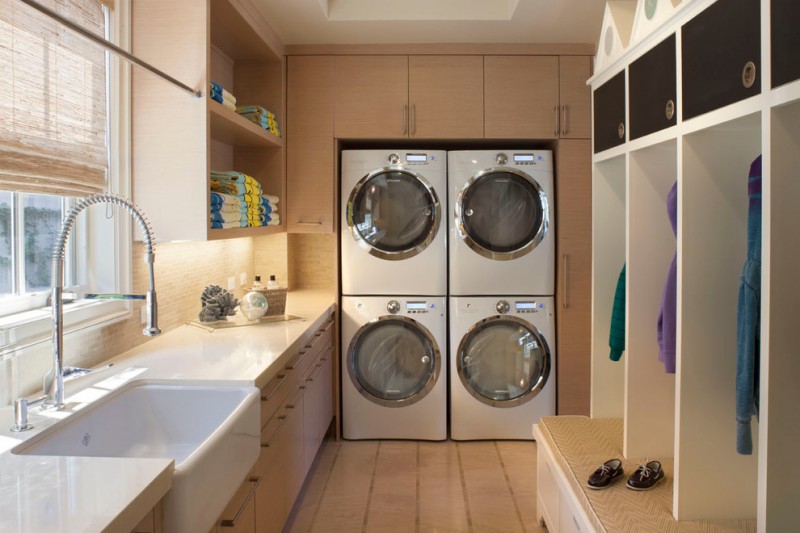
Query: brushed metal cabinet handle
[(405, 119), (565, 303), (256, 481), (281, 379), (555, 121), (413, 119), (283, 420), (309, 223), (564, 120)]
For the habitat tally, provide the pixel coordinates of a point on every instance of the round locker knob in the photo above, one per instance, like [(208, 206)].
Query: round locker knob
[(502, 307), (670, 110), (621, 130), (426, 360), (393, 306), (394, 159), (501, 159), (469, 212), (749, 74)]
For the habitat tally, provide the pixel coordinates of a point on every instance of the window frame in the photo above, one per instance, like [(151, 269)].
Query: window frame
[(33, 326)]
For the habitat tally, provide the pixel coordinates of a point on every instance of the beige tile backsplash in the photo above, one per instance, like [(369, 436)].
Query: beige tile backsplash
[(182, 272)]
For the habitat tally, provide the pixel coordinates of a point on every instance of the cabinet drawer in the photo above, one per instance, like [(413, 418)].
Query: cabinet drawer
[(547, 489), (785, 41), (609, 113), (272, 503), (272, 396), (652, 91), (721, 51), (569, 520)]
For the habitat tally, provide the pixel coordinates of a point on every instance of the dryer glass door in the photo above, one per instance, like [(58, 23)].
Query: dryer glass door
[(503, 361), (393, 213), (393, 361), (502, 213)]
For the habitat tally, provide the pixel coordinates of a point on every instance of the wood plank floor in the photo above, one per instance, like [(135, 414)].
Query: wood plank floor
[(407, 486)]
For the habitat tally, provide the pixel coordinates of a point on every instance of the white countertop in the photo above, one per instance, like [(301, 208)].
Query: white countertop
[(89, 494)]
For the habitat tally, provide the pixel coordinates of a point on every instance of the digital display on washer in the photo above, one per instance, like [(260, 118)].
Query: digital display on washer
[(416, 158), (524, 306), (415, 306), (523, 158)]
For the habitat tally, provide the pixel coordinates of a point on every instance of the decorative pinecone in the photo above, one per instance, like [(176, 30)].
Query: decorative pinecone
[(217, 304)]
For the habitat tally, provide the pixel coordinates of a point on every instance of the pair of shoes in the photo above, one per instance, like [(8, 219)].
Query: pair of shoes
[(646, 476), (605, 474)]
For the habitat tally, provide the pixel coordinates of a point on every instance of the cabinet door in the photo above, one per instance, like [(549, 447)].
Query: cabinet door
[(371, 94), (575, 116), (446, 97), (652, 92), (310, 156), (609, 113), (521, 97), (717, 47), (573, 296), (295, 458), (272, 498), (785, 41)]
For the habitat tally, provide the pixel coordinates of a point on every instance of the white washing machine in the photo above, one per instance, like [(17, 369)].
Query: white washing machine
[(394, 367), (502, 238), (393, 236), (502, 366)]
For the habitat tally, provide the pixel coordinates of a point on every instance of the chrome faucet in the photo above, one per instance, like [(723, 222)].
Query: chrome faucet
[(54, 380)]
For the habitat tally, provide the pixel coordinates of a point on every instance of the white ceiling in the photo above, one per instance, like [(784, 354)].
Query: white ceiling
[(434, 21)]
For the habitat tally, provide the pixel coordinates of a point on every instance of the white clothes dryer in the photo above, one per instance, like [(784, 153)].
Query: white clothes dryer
[(502, 366), (393, 237), (394, 370), (502, 238)]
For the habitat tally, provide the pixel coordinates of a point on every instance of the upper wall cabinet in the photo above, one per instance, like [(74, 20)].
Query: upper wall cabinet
[(521, 97), (721, 53), (574, 95), (785, 41), (652, 90), (609, 113), (177, 138), (395, 97)]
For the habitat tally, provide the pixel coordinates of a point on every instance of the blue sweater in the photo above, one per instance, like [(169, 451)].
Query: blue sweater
[(748, 327)]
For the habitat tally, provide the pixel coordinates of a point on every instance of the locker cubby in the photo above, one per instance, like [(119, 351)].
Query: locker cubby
[(649, 390), (712, 239), (609, 252)]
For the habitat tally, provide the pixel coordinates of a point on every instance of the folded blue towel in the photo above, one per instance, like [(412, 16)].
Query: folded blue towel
[(228, 225), (216, 86), (217, 216)]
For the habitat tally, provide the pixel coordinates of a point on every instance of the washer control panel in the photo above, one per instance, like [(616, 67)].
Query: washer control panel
[(419, 306), (410, 158), (528, 306)]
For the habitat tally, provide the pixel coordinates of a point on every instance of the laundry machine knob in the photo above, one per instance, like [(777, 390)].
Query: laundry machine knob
[(393, 306), (469, 212), (502, 307), (501, 159), (394, 159), (425, 359)]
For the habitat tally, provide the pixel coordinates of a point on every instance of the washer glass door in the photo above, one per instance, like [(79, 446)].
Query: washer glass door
[(393, 361), (503, 361), (393, 213), (502, 213)]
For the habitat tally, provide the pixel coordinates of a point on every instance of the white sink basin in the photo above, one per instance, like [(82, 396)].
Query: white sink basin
[(210, 429)]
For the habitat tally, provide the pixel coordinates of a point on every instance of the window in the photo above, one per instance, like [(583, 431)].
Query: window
[(63, 133)]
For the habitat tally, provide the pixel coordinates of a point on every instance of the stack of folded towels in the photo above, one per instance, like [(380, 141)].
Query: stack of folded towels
[(222, 96), (237, 202), (260, 116)]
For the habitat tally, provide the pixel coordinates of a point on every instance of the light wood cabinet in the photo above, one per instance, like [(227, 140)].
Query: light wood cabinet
[(574, 274), (575, 97), (178, 138), (522, 97), (396, 97), (240, 514), (310, 148)]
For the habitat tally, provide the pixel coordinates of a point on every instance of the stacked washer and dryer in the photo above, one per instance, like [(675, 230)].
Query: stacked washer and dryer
[(394, 253), (394, 294), (502, 281)]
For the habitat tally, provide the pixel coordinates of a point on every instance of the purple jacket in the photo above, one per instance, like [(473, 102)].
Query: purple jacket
[(667, 315)]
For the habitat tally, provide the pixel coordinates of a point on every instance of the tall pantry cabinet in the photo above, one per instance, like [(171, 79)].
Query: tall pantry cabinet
[(730, 92)]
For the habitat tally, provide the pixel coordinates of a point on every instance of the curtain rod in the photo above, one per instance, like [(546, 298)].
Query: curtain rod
[(111, 47)]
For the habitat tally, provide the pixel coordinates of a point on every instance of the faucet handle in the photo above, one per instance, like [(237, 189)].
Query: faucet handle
[(21, 416)]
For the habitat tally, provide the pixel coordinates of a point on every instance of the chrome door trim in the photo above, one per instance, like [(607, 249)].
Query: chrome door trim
[(405, 401), (513, 254), (388, 255), (532, 391)]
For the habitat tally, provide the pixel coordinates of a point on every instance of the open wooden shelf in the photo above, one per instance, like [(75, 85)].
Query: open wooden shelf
[(231, 128)]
